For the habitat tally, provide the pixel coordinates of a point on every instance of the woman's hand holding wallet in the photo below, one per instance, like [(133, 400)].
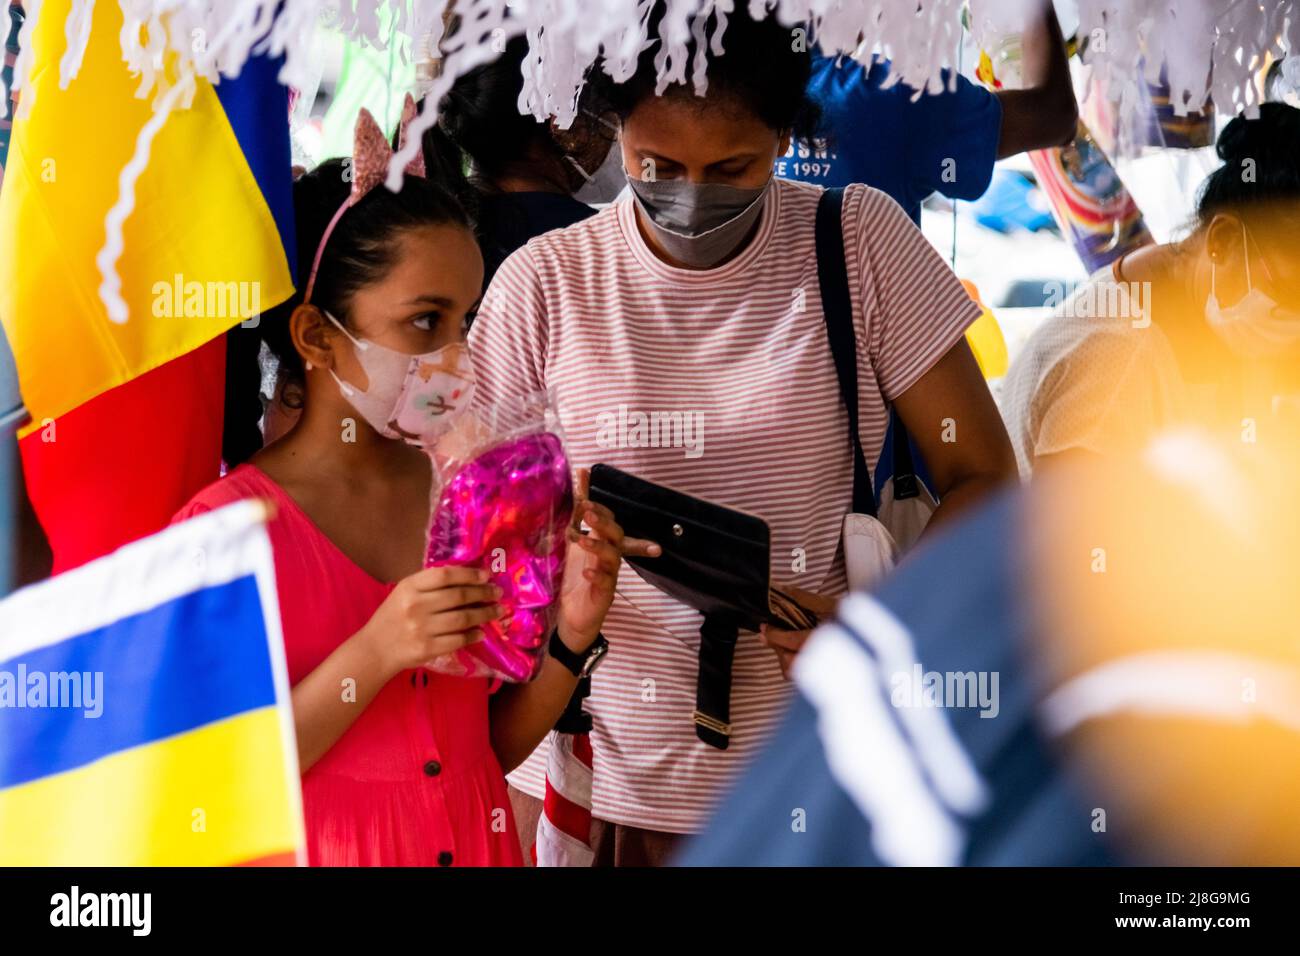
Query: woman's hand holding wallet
[(591, 571), (787, 644)]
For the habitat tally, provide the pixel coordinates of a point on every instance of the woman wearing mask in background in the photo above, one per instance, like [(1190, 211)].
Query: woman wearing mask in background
[(531, 177), (1205, 329), (694, 298), (400, 766)]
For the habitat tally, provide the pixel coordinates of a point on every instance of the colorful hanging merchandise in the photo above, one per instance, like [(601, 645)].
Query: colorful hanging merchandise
[(1166, 128), (1088, 198)]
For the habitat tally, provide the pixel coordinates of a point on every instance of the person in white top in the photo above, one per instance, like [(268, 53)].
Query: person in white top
[(682, 333), (1204, 329)]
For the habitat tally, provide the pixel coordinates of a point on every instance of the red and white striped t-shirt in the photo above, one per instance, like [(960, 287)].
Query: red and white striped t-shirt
[(740, 353)]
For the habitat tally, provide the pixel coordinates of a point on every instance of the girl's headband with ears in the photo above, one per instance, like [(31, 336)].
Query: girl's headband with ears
[(371, 155)]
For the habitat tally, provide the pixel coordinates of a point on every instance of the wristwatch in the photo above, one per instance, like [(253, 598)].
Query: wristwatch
[(579, 665)]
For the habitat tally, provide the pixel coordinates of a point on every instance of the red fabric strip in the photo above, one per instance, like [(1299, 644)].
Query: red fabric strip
[(567, 817), (582, 749), (118, 467)]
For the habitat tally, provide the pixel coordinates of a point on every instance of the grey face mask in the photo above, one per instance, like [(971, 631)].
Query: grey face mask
[(699, 224)]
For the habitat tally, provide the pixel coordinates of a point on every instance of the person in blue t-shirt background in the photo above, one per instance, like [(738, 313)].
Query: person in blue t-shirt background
[(910, 147)]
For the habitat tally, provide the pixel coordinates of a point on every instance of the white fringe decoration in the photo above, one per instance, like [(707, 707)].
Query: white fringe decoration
[(1208, 47), (110, 286)]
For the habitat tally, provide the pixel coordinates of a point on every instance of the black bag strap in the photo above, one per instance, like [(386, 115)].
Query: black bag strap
[(718, 636), (906, 483), (833, 279)]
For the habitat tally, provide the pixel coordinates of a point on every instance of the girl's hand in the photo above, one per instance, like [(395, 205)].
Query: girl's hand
[(591, 568), (431, 613)]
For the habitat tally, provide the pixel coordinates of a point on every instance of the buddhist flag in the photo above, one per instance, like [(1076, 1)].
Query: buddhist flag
[(144, 707), (126, 417)]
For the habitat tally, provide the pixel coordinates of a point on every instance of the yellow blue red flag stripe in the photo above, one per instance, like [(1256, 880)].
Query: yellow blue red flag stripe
[(208, 243), (201, 213)]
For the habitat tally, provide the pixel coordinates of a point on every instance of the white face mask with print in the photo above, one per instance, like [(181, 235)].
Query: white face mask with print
[(412, 397), (1256, 326)]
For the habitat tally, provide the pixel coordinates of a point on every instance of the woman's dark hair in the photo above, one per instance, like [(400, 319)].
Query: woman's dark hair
[(1261, 164), (480, 120), (360, 251), (765, 68)]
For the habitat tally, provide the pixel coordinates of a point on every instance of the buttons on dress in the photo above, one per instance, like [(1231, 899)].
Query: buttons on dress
[(433, 768), (444, 858)]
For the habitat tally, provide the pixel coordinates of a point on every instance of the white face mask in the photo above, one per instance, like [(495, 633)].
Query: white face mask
[(1255, 327), (411, 397)]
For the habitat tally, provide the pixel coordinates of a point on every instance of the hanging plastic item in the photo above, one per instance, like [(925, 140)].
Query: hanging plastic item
[(1089, 200)]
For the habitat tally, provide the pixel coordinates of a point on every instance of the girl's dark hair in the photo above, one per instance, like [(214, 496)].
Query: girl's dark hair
[(480, 120), (765, 68), (1260, 167), (360, 251)]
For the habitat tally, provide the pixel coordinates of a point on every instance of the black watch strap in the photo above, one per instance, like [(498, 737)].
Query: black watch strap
[(579, 665)]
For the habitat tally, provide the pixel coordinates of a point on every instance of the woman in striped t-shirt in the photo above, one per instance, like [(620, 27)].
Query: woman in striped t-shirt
[(696, 297)]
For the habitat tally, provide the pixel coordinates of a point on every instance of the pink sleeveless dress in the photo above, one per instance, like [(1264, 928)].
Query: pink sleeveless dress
[(414, 780)]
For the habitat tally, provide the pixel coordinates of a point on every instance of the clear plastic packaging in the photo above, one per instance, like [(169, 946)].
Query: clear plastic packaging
[(503, 501)]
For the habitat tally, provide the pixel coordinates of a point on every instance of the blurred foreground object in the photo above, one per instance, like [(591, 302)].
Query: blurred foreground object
[(1101, 676), (144, 707)]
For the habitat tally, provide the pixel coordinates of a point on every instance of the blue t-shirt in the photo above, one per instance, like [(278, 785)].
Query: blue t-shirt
[(943, 142), (903, 145)]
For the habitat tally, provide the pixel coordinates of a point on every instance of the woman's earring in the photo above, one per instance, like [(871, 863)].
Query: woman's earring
[(307, 366)]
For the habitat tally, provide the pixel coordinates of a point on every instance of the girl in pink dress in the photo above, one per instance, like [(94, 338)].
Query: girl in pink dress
[(400, 765)]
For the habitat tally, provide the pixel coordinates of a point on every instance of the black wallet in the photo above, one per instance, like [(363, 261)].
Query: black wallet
[(715, 559)]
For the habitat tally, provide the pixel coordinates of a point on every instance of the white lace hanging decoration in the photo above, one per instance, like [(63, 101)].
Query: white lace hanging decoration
[(1207, 47)]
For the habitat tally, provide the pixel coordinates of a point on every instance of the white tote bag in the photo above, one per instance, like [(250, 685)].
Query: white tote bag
[(869, 551), (905, 518)]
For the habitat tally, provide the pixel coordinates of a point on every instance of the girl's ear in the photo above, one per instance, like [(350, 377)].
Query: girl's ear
[(783, 146), (310, 332)]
